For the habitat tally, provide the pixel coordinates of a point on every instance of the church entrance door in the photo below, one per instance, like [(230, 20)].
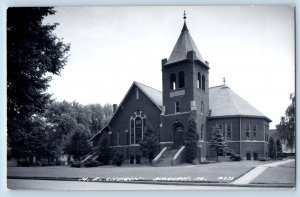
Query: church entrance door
[(178, 136)]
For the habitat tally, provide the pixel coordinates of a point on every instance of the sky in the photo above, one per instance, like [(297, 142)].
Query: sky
[(253, 47)]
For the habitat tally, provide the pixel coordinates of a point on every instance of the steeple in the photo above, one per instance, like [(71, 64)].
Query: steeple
[(184, 44)]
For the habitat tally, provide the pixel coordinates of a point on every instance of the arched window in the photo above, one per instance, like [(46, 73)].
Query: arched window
[(199, 81), (172, 81), (181, 79), (137, 126), (203, 82), (201, 132), (202, 107)]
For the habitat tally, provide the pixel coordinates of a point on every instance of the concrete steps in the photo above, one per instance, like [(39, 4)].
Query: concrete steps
[(166, 158)]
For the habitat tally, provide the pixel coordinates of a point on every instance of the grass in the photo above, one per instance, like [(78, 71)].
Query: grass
[(216, 172), (283, 174)]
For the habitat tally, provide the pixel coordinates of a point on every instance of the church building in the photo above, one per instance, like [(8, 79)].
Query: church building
[(185, 90)]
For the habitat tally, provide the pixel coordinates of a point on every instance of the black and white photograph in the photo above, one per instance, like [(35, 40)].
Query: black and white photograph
[(151, 97)]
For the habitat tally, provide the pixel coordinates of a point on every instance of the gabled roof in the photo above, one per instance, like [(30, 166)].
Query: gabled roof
[(225, 102), (184, 44), (153, 94)]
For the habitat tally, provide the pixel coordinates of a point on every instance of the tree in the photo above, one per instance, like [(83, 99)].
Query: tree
[(107, 111), (217, 142), (278, 148), (191, 140), (287, 126), (96, 118), (33, 54), (149, 144), (272, 148), (103, 152), (78, 145)]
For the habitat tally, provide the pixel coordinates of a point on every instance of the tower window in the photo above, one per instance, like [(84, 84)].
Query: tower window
[(172, 81), (203, 82), (177, 107), (201, 132), (199, 81), (181, 79), (202, 107)]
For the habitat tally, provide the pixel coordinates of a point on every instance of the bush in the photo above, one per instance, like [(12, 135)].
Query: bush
[(91, 163), (118, 159), (24, 163), (58, 163), (263, 159), (75, 164), (235, 157)]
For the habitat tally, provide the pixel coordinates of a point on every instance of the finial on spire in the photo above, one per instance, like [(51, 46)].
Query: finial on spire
[(184, 24), (224, 80)]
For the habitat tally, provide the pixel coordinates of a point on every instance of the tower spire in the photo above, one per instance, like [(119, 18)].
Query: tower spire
[(184, 18)]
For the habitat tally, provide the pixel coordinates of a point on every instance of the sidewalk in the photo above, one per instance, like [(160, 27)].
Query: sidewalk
[(250, 176)]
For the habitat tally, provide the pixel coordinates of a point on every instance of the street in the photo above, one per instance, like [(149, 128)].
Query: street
[(76, 185)]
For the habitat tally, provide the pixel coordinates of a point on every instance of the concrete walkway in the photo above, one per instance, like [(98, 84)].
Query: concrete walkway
[(251, 175)]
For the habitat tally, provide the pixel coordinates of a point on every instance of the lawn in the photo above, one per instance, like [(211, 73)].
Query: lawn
[(283, 174), (216, 172)]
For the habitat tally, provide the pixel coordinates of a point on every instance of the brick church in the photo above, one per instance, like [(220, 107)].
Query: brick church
[(185, 90)]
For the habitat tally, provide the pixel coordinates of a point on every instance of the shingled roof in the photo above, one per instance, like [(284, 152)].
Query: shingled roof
[(184, 44), (225, 102), (222, 101), (153, 94)]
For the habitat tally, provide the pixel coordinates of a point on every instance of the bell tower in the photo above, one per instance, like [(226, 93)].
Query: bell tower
[(185, 90)]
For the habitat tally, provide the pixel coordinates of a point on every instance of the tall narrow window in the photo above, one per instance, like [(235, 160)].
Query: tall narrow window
[(172, 81), (138, 130), (177, 107), (229, 131), (247, 131), (202, 107), (254, 131), (201, 132), (220, 126), (132, 131), (118, 138), (137, 126), (199, 81), (203, 82), (181, 79), (137, 94)]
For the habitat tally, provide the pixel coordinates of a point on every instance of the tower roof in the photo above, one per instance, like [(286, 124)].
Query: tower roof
[(184, 44)]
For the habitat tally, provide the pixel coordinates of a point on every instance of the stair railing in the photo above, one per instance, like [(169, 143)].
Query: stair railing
[(159, 155)]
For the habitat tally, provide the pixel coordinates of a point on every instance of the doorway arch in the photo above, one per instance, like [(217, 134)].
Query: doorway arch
[(178, 134)]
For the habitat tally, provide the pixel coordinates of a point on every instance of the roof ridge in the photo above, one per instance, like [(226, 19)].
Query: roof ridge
[(147, 86)]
